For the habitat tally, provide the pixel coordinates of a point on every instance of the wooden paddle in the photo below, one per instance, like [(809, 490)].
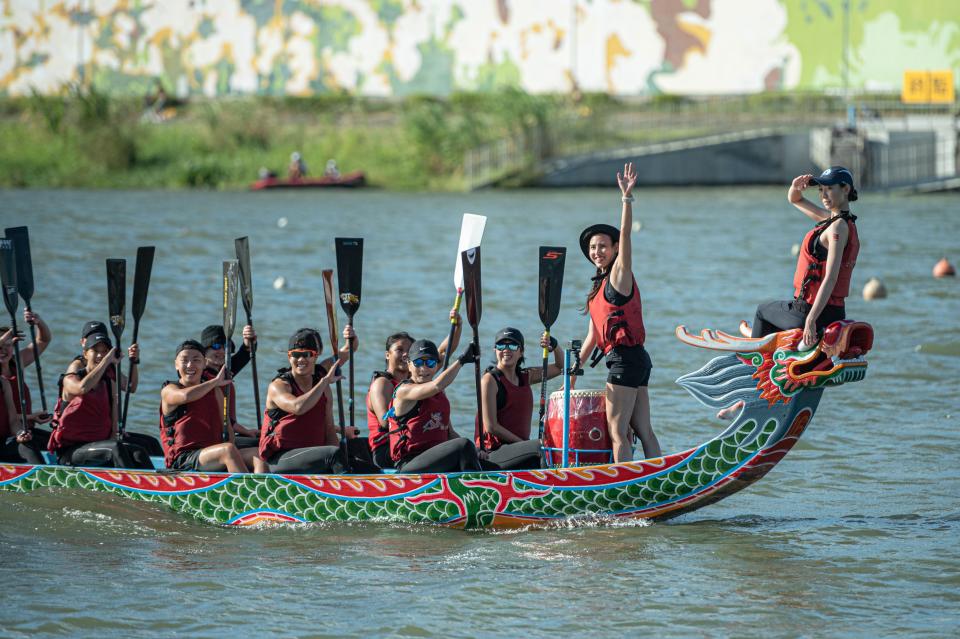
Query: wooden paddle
[(327, 276), (8, 278), (349, 280), (230, 268), (117, 304), (471, 286), (471, 232), (21, 248), (141, 284), (552, 259), (242, 245)]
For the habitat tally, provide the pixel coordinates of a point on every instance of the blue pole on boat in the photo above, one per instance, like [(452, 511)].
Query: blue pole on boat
[(566, 407)]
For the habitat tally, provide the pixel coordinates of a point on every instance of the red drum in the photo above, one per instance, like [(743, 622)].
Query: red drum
[(589, 440)]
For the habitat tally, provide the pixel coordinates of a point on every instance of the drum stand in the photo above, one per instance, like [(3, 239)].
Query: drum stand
[(571, 368)]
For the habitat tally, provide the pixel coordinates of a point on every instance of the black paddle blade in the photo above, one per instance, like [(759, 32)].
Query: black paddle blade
[(242, 245), (471, 284), (21, 251), (552, 259), (8, 275), (117, 296), (230, 269), (349, 272), (141, 280)]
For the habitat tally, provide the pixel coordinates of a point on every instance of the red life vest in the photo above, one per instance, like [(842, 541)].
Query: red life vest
[(191, 426), (378, 435), (85, 418), (206, 376), (421, 428), (811, 270), (514, 408), (617, 325), (6, 428), (284, 431)]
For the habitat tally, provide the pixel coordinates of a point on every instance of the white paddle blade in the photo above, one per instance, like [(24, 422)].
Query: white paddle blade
[(471, 233)]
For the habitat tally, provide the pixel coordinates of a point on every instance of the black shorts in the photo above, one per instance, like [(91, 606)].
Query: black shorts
[(189, 460), (628, 366)]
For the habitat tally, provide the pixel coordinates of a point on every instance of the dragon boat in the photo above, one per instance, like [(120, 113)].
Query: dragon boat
[(779, 384)]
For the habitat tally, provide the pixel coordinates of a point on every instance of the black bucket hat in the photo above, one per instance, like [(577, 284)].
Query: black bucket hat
[(597, 229), (214, 334)]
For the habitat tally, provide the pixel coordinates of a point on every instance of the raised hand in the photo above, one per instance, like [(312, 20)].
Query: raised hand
[(223, 378), (627, 179), (801, 182), (249, 336)]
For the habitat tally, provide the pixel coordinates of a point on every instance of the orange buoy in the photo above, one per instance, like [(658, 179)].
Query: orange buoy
[(944, 268)]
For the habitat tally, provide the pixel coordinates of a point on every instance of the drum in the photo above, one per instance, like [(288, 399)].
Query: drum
[(589, 441)]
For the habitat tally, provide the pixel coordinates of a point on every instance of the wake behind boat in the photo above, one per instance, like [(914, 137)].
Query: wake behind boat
[(780, 385)]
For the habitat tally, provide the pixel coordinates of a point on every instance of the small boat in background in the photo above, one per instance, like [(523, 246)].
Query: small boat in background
[(352, 180)]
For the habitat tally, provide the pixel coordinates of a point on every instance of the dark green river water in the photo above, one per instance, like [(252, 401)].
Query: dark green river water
[(853, 534)]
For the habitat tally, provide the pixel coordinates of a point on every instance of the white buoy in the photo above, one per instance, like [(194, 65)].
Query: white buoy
[(944, 268), (795, 250), (280, 282), (874, 289), (281, 222), (637, 226)]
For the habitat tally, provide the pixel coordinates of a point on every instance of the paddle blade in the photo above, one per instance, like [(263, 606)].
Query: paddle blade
[(8, 275), (230, 269), (117, 296), (470, 259), (141, 280), (21, 251), (327, 276), (552, 259), (242, 245), (349, 272), (471, 232)]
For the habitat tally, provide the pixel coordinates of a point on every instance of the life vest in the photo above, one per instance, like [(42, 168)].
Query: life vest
[(378, 435), (190, 426), (617, 325), (811, 269), (284, 431), (421, 428), (206, 376), (85, 418), (6, 428), (514, 408)]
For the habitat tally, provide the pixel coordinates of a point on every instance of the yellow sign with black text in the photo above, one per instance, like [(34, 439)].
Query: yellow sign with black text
[(928, 87)]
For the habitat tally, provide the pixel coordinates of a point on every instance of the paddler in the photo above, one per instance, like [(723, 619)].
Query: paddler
[(191, 419), (85, 419), (386, 381), (422, 440), (616, 327), (214, 342), (17, 445), (298, 434), (507, 394)]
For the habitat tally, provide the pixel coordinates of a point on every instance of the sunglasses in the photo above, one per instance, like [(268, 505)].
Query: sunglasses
[(304, 353), (219, 347), (507, 346), (424, 361)]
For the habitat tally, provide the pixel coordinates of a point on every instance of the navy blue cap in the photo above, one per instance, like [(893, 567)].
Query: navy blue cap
[(834, 175)]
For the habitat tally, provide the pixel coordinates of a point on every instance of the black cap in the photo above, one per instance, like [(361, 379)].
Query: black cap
[(93, 327), (97, 338), (509, 334), (597, 229), (834, 175), (214, 334), (423, 348), (190, 345), (306, 338)]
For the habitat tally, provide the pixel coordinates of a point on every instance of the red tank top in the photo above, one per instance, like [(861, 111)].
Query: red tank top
[(6, 428), (811, 270), (195, 425), (85, 418), (617, 325), (284, 431), (427, 425), (516, 411), (378, 436)]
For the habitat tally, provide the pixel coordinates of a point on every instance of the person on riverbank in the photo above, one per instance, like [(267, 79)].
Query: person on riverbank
[(85, 419), (191, 419), (422, 440), (506, 391), (215, 345), (298, 433), (18, 445), (616, 327), (384, 382)]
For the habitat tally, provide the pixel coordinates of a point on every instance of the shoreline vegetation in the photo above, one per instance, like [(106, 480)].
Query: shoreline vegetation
[(87, 139)]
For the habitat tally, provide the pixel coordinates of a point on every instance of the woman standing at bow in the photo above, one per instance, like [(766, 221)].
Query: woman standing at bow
[(616, 327)]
